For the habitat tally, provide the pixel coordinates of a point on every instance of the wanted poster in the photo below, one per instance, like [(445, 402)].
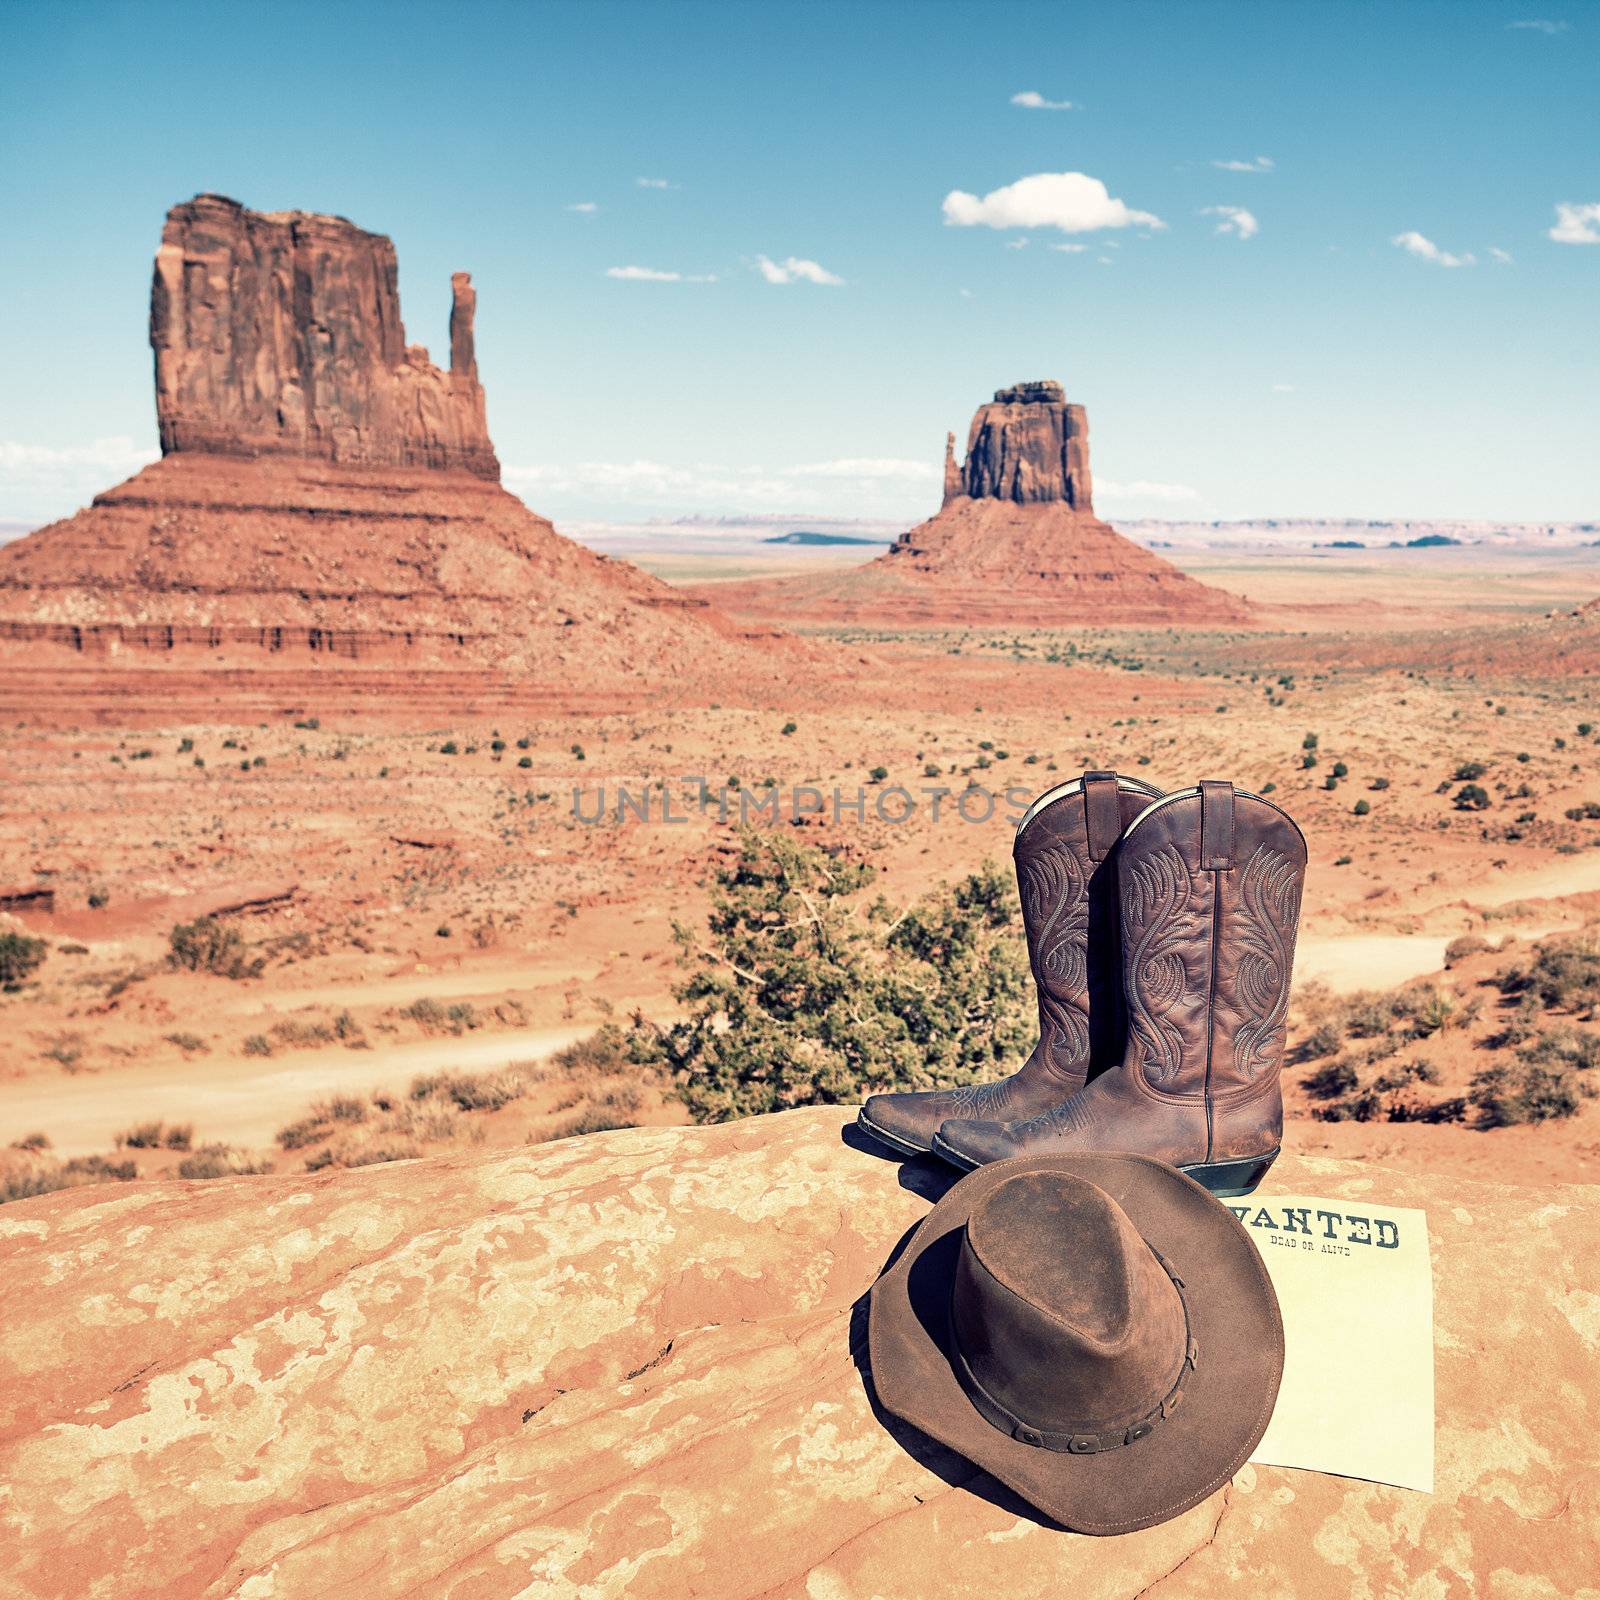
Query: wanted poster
[(1355, 1286)]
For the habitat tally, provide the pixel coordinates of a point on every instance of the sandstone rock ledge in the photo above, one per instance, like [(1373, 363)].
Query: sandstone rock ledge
[(627, 1365)]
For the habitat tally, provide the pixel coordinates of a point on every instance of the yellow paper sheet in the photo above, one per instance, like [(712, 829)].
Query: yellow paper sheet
[(1355, 1286)]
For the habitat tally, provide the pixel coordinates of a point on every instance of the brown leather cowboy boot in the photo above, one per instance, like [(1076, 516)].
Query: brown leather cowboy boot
[(1063, 855), (1210, 881)]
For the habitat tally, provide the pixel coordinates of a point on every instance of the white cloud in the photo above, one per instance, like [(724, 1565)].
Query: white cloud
[(1168, 493), (1540, 25), (849, 486), (795, 269), (654, 275), (877, 467), (1283, 388), (1017, 244), (1259, 164), (1576, 224), (1504, 257), (654, 183), (41, 482), (1070, 201), (1034, 101), (1235, 220), (1415, 244), (1070, 249), (118, 454), (586, 207)]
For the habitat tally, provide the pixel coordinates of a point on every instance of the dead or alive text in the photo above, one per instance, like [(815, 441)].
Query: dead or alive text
[(1308, 1226), (891, 803)]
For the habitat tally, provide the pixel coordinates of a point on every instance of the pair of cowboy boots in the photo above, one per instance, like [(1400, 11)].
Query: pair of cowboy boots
[(1161, 936)]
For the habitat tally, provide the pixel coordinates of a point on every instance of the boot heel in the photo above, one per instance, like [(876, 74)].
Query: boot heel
[(1229, 1179)]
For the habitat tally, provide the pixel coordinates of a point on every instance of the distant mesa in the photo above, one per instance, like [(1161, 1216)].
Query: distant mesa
[(801, 536), (325, 488), (1015, 541)]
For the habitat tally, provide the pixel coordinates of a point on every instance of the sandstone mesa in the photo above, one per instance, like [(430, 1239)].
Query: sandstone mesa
[(326, 492), (630, 1364), (1015, 541)]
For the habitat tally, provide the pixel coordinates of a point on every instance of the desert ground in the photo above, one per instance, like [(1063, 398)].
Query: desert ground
[(399, 853)]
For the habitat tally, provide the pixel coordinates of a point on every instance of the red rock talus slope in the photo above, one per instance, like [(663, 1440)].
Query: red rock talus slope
[(279, 555), (1016, 541), (325, 491), (631, 1364)]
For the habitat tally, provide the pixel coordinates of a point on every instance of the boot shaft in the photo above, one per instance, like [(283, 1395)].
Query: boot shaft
[(1210, 882), (1065, 860)]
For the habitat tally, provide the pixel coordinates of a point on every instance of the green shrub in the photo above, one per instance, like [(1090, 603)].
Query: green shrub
[(1564, 975), (594, 1119), (1463, 946), (208, 945), (144, 1136), (1331, 1082), (20, 957), (1563, 1045), (297, 1135), (803, 990), (1466, 771), (1472, 797), (220, 1161), (1526, 1091), (1360, 808), (256, 1044), (49, 1177)]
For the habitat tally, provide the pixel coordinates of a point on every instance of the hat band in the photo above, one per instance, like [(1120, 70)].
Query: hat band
[(1069, 1443)]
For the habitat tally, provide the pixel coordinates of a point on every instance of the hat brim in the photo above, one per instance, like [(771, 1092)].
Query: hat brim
[(1227, 1399)]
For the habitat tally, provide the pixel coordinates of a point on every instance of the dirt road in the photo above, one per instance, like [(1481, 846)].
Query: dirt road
[(241, 1101)]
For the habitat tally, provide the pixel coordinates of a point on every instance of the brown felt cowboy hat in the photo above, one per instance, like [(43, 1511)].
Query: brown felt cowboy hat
[(1095, 1331)]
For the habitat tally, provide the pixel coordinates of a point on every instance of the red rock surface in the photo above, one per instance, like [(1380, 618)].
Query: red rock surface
[(280, 334), (326, 492), (632, 1364), (1016, 541)]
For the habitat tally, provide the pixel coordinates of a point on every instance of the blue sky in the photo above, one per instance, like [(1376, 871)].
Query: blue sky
[(1300, 362)]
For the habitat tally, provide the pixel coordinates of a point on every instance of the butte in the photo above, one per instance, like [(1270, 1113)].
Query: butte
[(1016, 542), (327, 496)]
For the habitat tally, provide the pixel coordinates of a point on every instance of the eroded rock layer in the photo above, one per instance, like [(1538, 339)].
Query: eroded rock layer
[(280, 334), (277, 555), (635, 1364)]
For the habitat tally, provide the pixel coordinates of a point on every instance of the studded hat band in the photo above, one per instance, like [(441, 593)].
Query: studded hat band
[(1087, 1443)]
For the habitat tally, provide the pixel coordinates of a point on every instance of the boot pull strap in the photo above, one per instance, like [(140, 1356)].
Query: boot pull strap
[(1216, 823), (1102, 813)]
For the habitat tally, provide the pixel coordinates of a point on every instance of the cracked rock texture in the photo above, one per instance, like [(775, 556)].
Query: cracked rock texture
[(1027, 445), (630, 1365), (279, 333)]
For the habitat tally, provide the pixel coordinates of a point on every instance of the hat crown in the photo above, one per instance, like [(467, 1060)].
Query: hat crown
[(1061, 1310)]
